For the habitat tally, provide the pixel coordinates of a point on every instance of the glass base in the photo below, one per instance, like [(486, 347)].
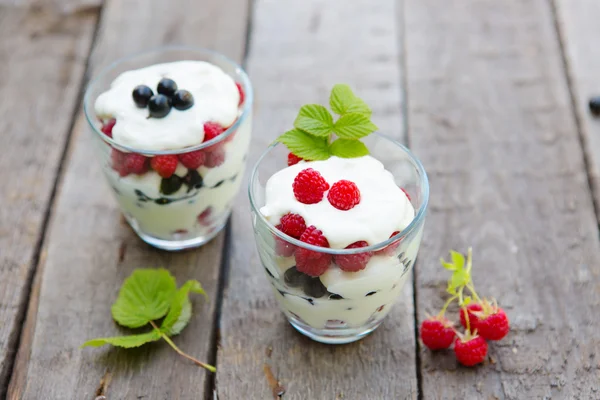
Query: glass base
[(334, 335), (175, 245)]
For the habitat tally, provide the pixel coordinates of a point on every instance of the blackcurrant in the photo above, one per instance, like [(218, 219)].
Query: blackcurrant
[(159, 106), (170, 185), (141, 95), (166, 86), (182, 100)]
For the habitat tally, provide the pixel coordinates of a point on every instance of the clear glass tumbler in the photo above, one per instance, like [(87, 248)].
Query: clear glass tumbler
[(341, 307), (191, 207)]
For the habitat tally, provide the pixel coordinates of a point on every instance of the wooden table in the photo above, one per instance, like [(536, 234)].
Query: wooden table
[(491, 95)]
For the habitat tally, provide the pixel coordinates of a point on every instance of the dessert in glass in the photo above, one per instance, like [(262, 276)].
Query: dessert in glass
[(338, 236), (172, 128)]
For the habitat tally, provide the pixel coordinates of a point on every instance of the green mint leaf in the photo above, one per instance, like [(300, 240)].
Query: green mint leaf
[(181, 308), (343, 101), (457, 259), (348, 148), (304, 145), (145, 296), (125, 341), (354, 126), (314, 119)]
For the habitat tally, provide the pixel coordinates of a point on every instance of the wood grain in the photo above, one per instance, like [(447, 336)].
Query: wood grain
[(577, 24), (90, 251), (491, 118), (39, 87), (299, 50)]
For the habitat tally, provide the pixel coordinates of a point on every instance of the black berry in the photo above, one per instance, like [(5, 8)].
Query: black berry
[(170, 185), (167, 86), (595, 105), (159, 106), (141, 95), (313, 287), (193, 180), (294, 278), (182, 100)]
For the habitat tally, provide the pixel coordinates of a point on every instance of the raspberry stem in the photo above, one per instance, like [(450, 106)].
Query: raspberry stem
[(180, 352), (448, 302)]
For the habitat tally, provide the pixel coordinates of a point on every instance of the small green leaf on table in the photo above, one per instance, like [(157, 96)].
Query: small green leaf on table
[(145, 296), (127, 342)]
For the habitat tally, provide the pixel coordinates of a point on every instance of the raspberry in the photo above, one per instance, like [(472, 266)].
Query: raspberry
[(135, 163), (204, 216), (390, 249), (470, 351), (193, 159), (242, 95), (309, 186), (311, 262), (354, 262), (165, 166), (211, 131), (406, 193), (293, 225), (215, 158), (495, 326), (472, 309), (437, 333), (118, 162), (344, 195), (293, 159), (283, 247), (108, 127)]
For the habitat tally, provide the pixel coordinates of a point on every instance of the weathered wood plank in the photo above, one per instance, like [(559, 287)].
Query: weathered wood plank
[(299, 50), (90, 251), (578, 25), (490, 115), (39, 87)]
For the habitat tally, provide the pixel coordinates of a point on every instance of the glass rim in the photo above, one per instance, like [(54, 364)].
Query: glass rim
[(90, 116), (419, 215)]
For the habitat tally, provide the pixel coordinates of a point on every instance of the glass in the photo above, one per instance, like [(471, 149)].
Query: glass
[(189, 209), (352, 306)]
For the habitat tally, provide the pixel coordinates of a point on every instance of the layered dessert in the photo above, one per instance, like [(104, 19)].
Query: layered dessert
[(338, 228), (178, 148), (338, 203)]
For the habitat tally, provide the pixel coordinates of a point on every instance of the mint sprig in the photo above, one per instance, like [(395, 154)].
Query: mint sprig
[(317, 137), (146, 296)]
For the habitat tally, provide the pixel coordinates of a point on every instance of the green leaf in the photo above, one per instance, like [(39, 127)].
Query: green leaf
[(460, 277), (348, 148), (181, 308), (125, 341), (354, 126), (457, 259), (304, 145), (448, 266), (467, 300), (343, 101), (145, 296), (315, 120)]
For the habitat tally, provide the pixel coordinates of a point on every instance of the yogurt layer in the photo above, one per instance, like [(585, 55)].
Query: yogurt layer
[(383, 207), (216, 99)]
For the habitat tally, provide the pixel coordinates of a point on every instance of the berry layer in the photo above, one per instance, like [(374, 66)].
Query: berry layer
[(383, 207), (177, 214), (215, 94)]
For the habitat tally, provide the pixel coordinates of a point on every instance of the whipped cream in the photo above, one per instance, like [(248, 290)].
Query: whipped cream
[(216, 99), (383, 207)]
